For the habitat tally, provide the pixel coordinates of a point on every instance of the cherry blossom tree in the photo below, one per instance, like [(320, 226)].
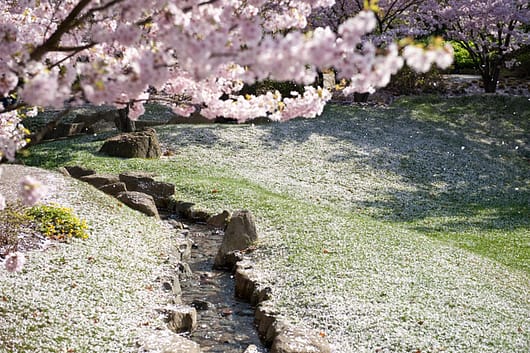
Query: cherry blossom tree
[(198, 54), (392, 17), (490, 30)]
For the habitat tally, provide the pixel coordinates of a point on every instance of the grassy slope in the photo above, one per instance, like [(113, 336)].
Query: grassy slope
[(99, 295), (364, 212)]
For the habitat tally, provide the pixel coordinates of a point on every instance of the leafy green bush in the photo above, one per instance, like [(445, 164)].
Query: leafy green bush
[(58, 223), (463, 60), (407, 81)]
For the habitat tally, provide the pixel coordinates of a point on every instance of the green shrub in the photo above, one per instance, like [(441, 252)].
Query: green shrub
[(407, 81), (58, 223), (462, 58)]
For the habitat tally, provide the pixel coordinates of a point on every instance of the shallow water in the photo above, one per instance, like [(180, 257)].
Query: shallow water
[(225, 324)]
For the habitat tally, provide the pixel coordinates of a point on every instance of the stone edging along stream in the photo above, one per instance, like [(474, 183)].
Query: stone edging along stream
[(141, 192)]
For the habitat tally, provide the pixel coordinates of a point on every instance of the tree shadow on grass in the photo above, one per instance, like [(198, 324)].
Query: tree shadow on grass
[(62, 152), (463, 160)]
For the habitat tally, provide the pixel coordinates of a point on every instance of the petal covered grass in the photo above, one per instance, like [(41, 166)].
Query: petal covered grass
[(389, 229), (99, 294)]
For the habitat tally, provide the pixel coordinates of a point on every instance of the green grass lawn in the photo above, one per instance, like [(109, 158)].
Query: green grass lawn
[(399, 228)]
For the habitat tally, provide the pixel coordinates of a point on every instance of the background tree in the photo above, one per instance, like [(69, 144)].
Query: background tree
[(392, 17), (490, 30)]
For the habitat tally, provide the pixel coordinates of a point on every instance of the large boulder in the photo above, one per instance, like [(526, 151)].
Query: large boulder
[(144, 182), (139, 144), (240, 233), (139, 201)]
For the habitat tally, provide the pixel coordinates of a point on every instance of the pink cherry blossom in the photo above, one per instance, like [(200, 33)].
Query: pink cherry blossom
[(196, 55), (31, 190)]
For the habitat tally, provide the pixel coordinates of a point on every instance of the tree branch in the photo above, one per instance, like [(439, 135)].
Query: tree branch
[(68, 23)]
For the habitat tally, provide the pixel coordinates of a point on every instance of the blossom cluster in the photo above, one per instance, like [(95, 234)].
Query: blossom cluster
[(199, 54)]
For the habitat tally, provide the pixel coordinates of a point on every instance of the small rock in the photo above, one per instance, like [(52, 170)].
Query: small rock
[(182, 318), (139, 201), (183, 249), (167, 342), (184, 270), (113, 189), (78, 172), (226, 312), (175, 224), (144, 182), (99, 180), (202, 305), (219, 220), (291, 339), (65, 130), (252, 349), (63, 171)]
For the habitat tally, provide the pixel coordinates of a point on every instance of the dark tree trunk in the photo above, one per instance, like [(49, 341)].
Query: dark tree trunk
[(122, 121), (490, 79)]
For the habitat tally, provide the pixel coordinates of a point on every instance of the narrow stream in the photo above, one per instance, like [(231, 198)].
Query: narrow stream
[(225, 324)]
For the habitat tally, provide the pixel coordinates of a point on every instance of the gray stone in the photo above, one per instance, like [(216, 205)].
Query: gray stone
[(183, 208), (247, 285), (175, 224), (140, 144), (144, 182), (113, 189), (265, 317), (252, 349), (99, 180), (167, 342), (78, 172), (176, 288), (184, 270), (219, 220), (290, 339), (139, 201), (202, 305), (198, 215), (184, 249), (240, 233), (189, 211), (182, 318)]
